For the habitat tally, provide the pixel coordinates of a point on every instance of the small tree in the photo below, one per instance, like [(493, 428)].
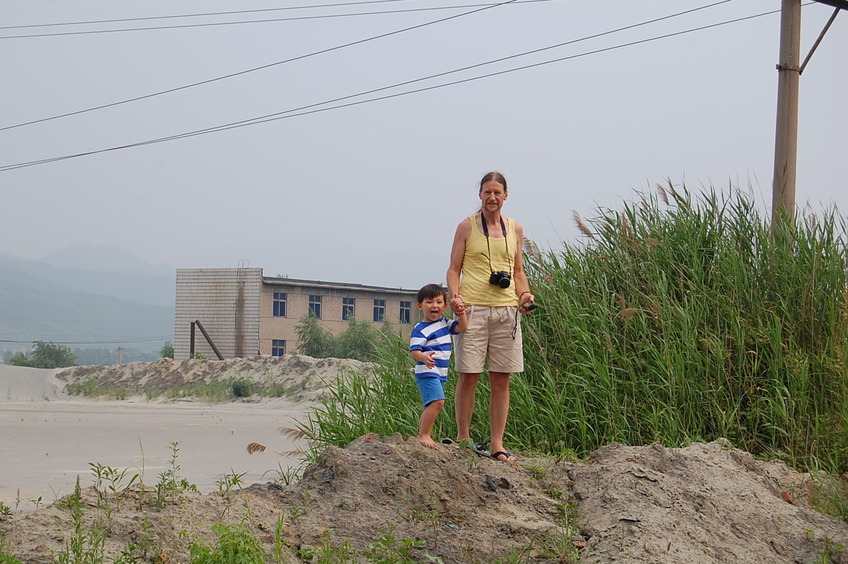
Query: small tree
[(20, 359), (314, 340), (167, 350), (358, 341), (46, 355)]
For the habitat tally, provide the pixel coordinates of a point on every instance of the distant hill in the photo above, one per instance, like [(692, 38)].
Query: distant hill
[(82, 307), (103, 270)]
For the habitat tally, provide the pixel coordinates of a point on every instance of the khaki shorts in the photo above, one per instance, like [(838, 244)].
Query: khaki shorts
[(490, 337)]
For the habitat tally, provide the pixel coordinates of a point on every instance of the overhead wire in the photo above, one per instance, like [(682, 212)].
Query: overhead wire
[(100, 342), (315, 108), (262, 67), (264, 20), (206, 14)]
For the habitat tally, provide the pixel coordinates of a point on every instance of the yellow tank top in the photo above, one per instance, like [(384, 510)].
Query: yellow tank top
[(474, 284)]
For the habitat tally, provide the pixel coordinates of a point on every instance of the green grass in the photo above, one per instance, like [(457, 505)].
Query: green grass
[(235, 544), (5, 556), (692, 321), (215, 391), (678, 319)]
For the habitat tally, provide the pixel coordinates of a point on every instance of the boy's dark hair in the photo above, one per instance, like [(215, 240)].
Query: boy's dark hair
[(431, 291)]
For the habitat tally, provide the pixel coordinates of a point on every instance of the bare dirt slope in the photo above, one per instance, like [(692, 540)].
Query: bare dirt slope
[(297, 377), (703, 503)]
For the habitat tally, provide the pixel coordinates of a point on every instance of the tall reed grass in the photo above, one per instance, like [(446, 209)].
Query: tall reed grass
[(678, 319), (685, 319)]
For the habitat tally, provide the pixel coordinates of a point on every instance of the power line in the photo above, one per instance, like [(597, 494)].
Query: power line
[(101, 342), (264, 20), (202, 14), (315, 108), (262, 67)]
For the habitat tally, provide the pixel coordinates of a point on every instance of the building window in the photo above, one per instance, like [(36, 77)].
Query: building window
[(405, 312), (315, 306), (348, 308), (279, 304), (379, 310), (278, 347)]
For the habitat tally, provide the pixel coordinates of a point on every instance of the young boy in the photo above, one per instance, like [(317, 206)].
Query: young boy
[(430, 346)]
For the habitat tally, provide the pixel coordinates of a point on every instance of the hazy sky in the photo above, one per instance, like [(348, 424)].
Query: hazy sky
[(372, 193)]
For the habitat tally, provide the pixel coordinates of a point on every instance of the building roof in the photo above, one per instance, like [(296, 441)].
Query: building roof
[(333, 285)]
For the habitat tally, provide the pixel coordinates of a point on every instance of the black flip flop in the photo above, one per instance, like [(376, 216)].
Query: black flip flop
[(481, 448)]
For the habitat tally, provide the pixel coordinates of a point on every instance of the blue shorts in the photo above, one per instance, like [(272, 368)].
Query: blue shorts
[(431, 389)]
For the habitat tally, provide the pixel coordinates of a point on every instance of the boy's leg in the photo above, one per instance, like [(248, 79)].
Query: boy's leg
[(425, 423), (433, 396)]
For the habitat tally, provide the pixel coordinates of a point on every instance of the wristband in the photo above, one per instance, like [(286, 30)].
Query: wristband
[(522, 293)]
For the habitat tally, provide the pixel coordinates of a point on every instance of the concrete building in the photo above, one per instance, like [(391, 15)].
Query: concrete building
[(246, 313)]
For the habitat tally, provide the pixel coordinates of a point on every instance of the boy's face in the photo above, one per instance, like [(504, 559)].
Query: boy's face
[(433, 308)]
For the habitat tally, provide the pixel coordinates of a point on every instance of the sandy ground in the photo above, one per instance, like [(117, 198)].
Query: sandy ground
[(645, 504), (49, 438)]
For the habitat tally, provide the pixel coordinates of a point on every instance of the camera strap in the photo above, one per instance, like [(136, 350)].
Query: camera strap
[(488, 248)]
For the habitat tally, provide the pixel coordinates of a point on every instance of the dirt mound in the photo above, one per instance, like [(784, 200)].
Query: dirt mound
[(703, 503), (651, 504), (296, 377)]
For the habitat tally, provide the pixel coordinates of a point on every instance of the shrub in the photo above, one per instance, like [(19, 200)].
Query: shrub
[(242, 388)]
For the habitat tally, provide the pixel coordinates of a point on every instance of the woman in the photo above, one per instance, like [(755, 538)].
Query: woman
[(486, 275)]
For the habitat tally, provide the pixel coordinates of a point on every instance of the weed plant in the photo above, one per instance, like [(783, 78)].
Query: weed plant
[(389, 549), (170, 482), (227, 482), (212, 392), (5, 556), (679, 319), (241, 388), (235, 545), (88, 387), (86, 545), (384, 403), (684, 320)]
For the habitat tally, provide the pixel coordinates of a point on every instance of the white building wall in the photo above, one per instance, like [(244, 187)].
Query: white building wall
[(226, 302)]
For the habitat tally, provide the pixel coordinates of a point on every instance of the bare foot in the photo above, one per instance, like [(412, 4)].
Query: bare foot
[(428, 442)]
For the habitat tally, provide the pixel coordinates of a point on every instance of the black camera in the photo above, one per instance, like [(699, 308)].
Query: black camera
[(500, 278)]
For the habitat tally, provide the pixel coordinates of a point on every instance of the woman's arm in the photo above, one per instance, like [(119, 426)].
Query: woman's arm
[(522, 285), (457, 255)]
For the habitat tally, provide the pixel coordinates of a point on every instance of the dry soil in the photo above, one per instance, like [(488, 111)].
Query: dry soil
[(699, 504)]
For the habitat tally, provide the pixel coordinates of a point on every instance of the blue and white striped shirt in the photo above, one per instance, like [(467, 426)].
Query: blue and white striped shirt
[(433, 337)]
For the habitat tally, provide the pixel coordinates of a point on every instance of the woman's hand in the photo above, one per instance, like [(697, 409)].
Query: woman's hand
[(527, 302)]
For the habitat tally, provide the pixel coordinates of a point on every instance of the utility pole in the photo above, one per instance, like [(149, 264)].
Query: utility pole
[(786, 136)]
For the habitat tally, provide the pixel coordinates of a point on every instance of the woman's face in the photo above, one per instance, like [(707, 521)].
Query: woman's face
[(492, 195)]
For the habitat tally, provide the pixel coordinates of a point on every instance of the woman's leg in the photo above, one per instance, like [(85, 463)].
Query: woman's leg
[(464, 405), (498, 410)]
